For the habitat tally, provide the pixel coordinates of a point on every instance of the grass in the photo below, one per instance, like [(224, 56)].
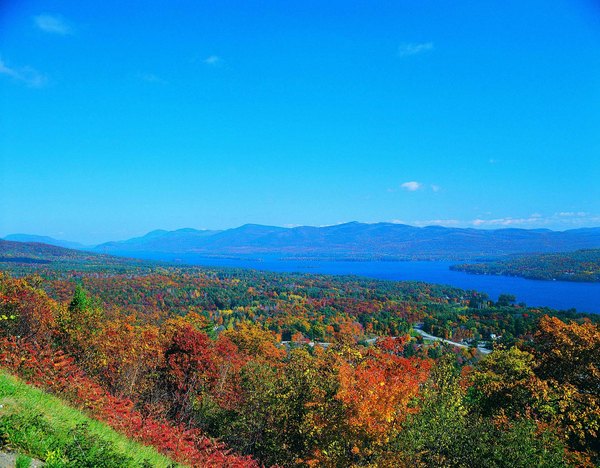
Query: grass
[(22, 461), (39, 425)]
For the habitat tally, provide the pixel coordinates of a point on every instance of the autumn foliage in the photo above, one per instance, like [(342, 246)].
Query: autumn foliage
[(377, 389), (33, 357), (230, 394)]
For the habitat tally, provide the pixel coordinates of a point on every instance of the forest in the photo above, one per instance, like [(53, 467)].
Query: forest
[(581, 265), (225, 367)]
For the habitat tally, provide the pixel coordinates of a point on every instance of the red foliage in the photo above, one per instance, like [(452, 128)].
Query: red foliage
[(56, 372)]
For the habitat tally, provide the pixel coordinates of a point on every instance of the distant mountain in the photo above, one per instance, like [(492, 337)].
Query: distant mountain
[(181, 240), (44, 240), (385, 241)]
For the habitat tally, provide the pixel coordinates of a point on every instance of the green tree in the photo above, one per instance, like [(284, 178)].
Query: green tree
[(505, 300), (80, 302), (449, 431), (79, 324)]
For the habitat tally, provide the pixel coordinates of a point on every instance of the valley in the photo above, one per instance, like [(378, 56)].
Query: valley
[(210, 359)]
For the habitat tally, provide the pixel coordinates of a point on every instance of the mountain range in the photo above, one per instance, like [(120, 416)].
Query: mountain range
[(356, 241)]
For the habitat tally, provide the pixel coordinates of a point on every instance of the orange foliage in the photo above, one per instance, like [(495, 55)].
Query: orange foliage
[(378, 389), (255, 341), (126, 355)]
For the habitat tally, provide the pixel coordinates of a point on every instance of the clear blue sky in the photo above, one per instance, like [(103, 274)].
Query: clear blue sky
[(117, 118)]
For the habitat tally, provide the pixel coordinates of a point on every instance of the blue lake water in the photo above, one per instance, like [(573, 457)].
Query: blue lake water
[(585, 297)]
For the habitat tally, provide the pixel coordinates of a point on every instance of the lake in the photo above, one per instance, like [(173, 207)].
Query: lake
[(585, 297)]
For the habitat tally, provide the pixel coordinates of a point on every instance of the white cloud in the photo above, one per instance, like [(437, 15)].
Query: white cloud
[(559, 220), (213, 60), (151, 78), (436, 222), (571, 214), (26, 75), (337, 223), (414, 48), (428, 222), (508, 221), (563, 218), (411, 186), (53, 24)]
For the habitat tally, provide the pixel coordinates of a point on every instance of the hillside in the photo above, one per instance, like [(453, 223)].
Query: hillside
[(44, 240), (385, 241), (581, 265), (38, 425), (36, 252), (23, 256)]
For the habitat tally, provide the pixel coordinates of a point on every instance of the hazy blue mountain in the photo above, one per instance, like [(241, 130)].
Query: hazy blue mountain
[(355, 240), (181, 240), (44, 240)]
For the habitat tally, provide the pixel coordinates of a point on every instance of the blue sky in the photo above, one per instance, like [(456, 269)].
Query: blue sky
[(117, 118)]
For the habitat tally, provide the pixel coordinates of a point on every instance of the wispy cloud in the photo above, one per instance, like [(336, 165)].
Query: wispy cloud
[(564, 218), (428, 222), (151, 78), (53, 24), (411, 186), (558, 220), (437, 222), (572, 214), (407, 49), (25, 75), (502, 221), (213, 60)]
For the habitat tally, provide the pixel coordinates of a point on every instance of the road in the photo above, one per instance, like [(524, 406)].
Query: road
[(426, 335)]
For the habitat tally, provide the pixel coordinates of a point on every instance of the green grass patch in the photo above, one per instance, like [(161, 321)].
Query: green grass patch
[(39, 425)]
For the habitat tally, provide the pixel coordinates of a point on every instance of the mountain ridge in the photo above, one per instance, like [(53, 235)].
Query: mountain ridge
[(352, 240), (356, 240)]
